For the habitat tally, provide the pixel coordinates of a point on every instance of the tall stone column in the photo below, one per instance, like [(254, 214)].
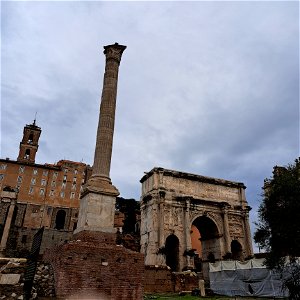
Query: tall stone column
[(100, 179), (97, 204)]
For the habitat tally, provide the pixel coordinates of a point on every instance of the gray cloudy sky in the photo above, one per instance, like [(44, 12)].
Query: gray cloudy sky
[(210, 88)]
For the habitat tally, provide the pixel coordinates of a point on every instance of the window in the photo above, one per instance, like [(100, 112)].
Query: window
[(19, 180), (31, 190), (63, 185), (51, 193), (27, 154), (55, 174), (62, 194), (24, 239), (74, 180), (30, 139), (1, 176), (35, 171), (53, 183), (65, 178), (43, 182), (34, 210), (81, 189), (3, 167), (21, 169), (60, 219), (75, 171), (42, 192), (45, 173), (74, 226), (33, 180), (65, 170), (72, 196), (82, 181)]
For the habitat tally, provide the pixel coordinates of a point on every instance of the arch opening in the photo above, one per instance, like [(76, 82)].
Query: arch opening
[(30, 138), (172, 252), (205, 240)]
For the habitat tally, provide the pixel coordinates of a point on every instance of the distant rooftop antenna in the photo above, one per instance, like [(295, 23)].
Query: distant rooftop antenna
[(34, 118)]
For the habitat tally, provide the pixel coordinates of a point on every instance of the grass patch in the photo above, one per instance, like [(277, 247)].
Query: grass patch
[(189, 297), (182, 297)]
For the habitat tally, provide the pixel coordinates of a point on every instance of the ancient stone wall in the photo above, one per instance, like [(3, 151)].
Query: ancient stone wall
[(43, 284), (11, 278)]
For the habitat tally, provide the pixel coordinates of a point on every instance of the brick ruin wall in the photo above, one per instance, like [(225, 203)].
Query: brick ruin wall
[(93, 265)]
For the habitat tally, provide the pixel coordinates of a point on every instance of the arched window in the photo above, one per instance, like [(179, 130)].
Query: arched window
[(30, 139), (60, 219), (172, 252), (137, 227), (27, 154)]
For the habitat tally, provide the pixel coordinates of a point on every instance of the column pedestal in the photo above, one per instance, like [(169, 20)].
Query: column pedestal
[(92, 206)]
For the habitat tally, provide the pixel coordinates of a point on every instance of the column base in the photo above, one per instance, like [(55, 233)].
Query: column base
[(100, 185), (96, 213)]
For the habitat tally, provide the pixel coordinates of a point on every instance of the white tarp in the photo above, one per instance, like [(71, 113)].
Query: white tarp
[(251, 278)]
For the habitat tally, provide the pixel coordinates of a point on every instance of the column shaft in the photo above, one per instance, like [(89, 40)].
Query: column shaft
[(188, 242), (161, 238), (7, 226), (104, 141), (248, 234), (226, 232)]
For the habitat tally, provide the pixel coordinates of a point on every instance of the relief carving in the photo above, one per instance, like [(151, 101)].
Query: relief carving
[(236, 228)]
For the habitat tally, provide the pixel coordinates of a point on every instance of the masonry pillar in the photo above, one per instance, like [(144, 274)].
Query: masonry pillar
[(248, 239), (7, 196), (160, 258), (188, 242), (161, 231), (226, 230), (97, 205)]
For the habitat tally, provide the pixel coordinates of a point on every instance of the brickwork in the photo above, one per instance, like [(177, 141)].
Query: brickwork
[(185, 281), (93, 265), (58, 184), (158, 279)]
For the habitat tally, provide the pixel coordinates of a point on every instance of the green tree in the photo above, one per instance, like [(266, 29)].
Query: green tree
[(278, 229)]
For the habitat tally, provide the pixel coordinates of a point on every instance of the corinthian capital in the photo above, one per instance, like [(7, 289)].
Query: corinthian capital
[(114, 51)]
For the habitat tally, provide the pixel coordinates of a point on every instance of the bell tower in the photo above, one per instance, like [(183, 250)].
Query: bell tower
[(29, 144)]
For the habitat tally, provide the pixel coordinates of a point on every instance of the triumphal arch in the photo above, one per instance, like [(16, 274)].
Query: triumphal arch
[(188, 220)]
